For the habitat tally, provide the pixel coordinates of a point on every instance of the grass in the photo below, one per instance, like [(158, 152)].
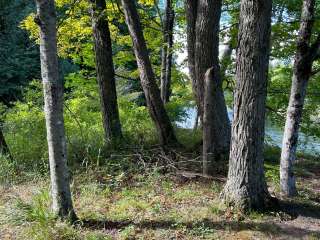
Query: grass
[(154, 203)]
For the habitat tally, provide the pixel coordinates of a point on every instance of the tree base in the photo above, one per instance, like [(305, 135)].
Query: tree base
[(68, 216), (288, 187), (245, 200)]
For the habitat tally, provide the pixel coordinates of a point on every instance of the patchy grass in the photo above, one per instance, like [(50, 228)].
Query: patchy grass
[(153, 205)]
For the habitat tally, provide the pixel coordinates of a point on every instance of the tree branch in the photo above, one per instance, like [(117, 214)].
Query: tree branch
[(124, 77), (159, 13)]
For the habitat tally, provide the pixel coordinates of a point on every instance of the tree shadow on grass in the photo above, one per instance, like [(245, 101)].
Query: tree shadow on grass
[(270, 229), (296, 209)]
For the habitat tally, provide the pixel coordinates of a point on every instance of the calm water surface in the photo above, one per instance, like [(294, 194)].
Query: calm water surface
[(274, 134)]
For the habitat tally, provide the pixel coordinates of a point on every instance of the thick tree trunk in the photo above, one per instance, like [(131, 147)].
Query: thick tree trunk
[(206, 42), (105, 71), (206, 54), (214, 149), (53, 98), (166, 57), (148, 82), (203, 22), (301, 73), (246, 187)]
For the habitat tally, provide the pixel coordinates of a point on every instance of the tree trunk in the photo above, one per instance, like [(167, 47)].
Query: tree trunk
[(206, 55), (214, 150), (105, 71), (208, 128), (4, 149), (301, 73), (167, 52), (246, 187), (203, 22), (191, 17), (53, 98), (206, 42), (148, 82)]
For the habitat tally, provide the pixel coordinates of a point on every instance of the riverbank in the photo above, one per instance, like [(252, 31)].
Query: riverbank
[(159, 203)]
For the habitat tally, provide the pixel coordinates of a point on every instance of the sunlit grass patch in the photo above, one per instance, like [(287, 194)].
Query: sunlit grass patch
[(54, 231), (128, 208), (185, 194), (272, 173), (128, 232), (97, 236)]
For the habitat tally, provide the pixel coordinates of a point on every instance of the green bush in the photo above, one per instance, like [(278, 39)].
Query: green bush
[(25, 131), (26, 137), (8, 169)]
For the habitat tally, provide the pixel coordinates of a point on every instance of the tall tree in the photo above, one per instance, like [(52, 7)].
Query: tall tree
[(105, 71), (246, 187), (306, 54), (203, 18), (148, 82), (215, 120), (53, 97), (166, 58), (203, 23)]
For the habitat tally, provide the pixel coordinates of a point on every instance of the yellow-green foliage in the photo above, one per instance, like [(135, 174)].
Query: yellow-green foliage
[(26, 135), (75, 33)]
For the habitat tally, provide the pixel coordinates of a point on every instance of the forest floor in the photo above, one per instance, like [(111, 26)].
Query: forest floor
[(155, 205)]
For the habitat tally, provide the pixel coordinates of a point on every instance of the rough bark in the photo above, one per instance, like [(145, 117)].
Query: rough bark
[(166, 58), (246, 187), (206, 42), (301, 73), (214, 150), (207, 56), (208, 129), (191, 17), (53, 98), (147, 76), (203, 48), (105, 71), (203, 17)]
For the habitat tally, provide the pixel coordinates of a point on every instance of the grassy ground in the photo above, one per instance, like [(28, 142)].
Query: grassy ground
[(159, 204)]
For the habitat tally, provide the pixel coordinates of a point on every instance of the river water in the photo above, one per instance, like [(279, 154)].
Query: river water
[(274, 134)]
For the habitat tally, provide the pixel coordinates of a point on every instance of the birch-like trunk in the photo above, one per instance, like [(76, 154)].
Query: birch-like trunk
[(147, 76), (301, 74), (53, 98), (105, 72), (246, 187), (166, 55), (290, 137)]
